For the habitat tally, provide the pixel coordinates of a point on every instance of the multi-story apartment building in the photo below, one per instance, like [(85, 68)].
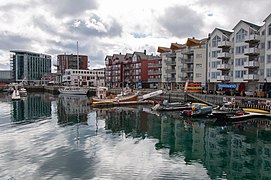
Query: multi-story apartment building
[(93, 78), (71, 61), (241, 56), (136, 70), (29, 66), (182, 62)]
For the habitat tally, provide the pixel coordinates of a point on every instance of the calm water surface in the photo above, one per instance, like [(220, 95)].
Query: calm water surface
[(51, 137)]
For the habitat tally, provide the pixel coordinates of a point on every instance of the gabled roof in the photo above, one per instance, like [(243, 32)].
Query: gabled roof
[(118, 57), (108, 57), (254, 26), (267, 17), (192, 42), (176, 46), (142, 55), (163, 49), (225, 32)]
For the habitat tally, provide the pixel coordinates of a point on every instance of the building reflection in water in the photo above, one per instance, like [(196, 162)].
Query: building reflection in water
[(72, 109), (240, 151), (31, 108)]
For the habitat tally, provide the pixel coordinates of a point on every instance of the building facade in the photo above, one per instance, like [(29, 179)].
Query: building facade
[(240, 58), (71, 61), (90, 78), (29, 66), (5, 76)]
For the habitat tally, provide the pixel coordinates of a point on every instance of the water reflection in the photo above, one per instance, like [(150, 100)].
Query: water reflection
[(31, 108), (239, 151), (72, 109)]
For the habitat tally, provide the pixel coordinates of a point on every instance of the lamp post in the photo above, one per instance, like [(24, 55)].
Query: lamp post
[(265, 87)]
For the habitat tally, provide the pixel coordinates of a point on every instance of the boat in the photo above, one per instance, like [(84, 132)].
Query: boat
[(15, 95), (102, 96), (197, 111), (23, 91), (228, 109), (174, 106), (73, 90)]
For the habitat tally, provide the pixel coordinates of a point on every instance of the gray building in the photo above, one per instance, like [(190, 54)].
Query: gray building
[(29, 66), (5, 76)]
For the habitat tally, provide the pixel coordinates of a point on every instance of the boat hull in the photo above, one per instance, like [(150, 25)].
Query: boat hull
[(133, 97)]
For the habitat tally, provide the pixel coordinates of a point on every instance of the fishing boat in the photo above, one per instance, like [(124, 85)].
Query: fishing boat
[(76, 90), (102, 96)]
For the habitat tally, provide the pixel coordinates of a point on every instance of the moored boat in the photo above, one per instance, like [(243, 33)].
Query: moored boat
[(73, 90)]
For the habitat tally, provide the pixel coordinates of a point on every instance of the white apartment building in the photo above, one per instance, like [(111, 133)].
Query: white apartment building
[(77, 77), (241, 56)]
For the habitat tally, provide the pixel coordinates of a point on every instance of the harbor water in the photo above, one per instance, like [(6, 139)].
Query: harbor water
[(61, 137)]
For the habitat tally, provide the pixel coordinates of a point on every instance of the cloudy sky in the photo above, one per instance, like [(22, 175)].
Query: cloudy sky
[(106, 27)]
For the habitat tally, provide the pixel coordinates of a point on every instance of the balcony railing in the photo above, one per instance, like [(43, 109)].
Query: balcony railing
[(151, 80), (170, 63), (171, 71), (252, 51), (187, 70), (224, 55), (151, 72), (223, 78), (186, 78), (187, 61), (251, 64), (171, 79), (171, 55), (188, 51), (223, 67), (252, 38), (224, 44), (155, 65), (251, 77)]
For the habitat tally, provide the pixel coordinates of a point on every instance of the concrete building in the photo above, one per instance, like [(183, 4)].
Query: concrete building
[(240, 57), (71, 61), (182, 62), (92, 78), (29, 66)]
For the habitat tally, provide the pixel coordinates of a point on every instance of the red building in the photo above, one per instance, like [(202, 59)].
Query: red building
[(138, 70), (69, 61)]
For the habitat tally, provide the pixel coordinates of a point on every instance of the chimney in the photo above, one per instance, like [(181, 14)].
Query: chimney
[(145, 51)]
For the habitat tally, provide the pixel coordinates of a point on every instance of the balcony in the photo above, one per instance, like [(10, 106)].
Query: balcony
[(251, 77), (224, 44), (186, 78), (152, 72), (171, 79), (252, 51), (171, 55), (171, 71), (154, 65), (188, 52), (152, 80), (223, 67), (170, 63), (223, 78), (224, 55), (187, 70), (187, 61), (251, 64), (252, 38)]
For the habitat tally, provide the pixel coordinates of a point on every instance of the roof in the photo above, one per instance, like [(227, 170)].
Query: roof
[(163, 49), (254, 26), (28, 52), (176, 46), (225, 32), (119, 57), (267, 17)]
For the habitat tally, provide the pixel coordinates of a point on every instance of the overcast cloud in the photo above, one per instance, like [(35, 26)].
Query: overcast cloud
[(107, 27)]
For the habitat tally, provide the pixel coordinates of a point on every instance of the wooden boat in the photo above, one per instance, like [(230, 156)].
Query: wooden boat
[(76, 90), (103, 98)]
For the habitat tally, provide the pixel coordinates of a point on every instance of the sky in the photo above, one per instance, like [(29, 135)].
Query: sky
[(107, 27)]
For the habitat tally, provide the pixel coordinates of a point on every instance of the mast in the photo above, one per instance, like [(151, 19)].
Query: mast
[(77, 56)]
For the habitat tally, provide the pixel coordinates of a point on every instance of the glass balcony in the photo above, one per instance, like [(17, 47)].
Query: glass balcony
[(252, 38), (224, 55), (170, 63), (223, 78), (152, 72), (223, 67), (171, 71), (251, 77), (251, 64), (252, 51), (154, 65), (171, 55), (224, 44)]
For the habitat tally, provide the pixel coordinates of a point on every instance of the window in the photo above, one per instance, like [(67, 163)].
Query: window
[(198, 56), (214, 64), (240, 35), (268, 59), (240, 74), (269, 29), (240, 61), (261, 59), (214, 75), (263, 45), (215, 41), (268, 72), (240, 49), (198, 75), (261, 72), (268, 44), (198, 65), (215, 53), (263, 32)]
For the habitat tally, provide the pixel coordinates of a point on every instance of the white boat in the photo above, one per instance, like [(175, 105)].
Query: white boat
[(73, 90), (23, 91), (16, 95)]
